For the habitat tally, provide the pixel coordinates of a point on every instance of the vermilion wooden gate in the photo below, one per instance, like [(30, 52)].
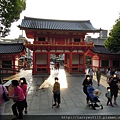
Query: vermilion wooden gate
[(58, 37)]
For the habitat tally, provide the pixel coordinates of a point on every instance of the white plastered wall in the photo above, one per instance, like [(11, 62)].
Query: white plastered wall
[(95, 63), (75, 59)]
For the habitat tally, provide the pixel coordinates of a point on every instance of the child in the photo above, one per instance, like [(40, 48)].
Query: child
[(56, 91), (108, 95)]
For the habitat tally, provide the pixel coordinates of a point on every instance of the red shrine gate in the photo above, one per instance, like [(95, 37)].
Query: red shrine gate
[(58, 37)]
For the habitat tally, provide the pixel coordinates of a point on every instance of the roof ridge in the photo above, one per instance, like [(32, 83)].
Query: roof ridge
[(56, 19), (11, 43)]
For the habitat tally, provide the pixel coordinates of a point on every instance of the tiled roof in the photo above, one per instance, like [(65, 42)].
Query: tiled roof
[(100, 49), (49, 24), (11, 48)]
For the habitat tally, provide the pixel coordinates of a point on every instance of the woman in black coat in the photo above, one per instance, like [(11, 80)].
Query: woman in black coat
[(87, 82)]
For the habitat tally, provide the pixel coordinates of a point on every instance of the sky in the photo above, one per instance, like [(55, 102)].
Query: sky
[(101, 13)]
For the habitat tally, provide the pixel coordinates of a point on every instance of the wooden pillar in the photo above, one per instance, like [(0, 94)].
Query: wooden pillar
[(34, 38), (34, 63), (99, 61), (65, 59), (84, 62), (67, 40), (34, 57), (48, 56), (83, 37), (79, 64), (14, 68), (70, 62), (48, 38), (110, 63)]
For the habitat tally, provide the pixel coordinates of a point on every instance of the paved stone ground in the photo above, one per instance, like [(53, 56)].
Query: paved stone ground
[(72, 97)]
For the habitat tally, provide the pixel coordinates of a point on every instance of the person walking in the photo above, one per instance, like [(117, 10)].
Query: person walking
[(58, 65), (113, 83), (18, 99), (108, 95), (87, 82), (90, 72), (55, 66), (119, 73), (2, 101), (108, 74), (56, 93), (98, 76), (23, 85)]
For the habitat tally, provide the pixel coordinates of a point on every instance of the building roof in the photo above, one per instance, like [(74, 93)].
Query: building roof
[(100, 49), (11, 48), (49, 24)]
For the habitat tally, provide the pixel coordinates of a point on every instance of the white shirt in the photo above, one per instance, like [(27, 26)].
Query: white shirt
[(90, 71)]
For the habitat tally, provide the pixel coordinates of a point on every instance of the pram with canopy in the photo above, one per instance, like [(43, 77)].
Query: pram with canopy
[(94, 101)]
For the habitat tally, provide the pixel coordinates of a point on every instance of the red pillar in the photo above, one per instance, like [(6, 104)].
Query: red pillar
[(65, 59), (34, 63), (110, 63), (98, 62), (34, 57), (14, 68), (84, 62), (48, 63), (83, 37), (70, 62)]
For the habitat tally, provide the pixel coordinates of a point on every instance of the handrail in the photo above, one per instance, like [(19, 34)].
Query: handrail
[(8, 69), (2, 73), (9, 65)]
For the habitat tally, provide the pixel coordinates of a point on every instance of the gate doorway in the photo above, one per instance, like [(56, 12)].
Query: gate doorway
[(72, 62)]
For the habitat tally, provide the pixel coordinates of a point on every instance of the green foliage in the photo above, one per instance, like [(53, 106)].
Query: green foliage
[(10, 12), (113, 41)]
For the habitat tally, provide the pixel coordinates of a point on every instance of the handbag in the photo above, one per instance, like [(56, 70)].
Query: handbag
[(5, 96), (106, 95)]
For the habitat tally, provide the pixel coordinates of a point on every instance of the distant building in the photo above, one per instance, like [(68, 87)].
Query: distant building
[(20, 39), (100, 40), (9, 54)]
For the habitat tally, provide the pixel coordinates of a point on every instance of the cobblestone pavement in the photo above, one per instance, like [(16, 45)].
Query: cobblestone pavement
[(73, 102)]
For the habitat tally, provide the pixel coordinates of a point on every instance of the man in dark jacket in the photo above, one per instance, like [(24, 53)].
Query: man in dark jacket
[(113, 83)]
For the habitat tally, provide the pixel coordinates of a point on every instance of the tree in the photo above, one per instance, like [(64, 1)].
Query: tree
[(10, 12), (112, 43)]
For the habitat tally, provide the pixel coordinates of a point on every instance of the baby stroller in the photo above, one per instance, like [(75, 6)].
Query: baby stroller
[(94, 101)]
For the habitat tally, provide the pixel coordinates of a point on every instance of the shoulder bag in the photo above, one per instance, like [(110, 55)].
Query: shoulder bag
[(5, 96)]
